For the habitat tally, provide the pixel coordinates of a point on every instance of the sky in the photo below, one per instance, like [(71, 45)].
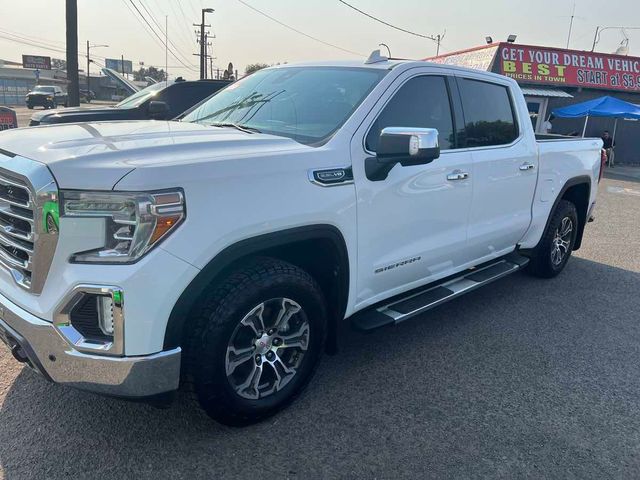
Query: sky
[(244, 36)]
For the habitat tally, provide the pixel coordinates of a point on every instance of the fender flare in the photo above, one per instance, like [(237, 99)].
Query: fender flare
[(572, 182), (220, 264)]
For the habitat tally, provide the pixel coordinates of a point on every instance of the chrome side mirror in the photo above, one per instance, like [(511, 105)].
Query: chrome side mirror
[(404, 145)]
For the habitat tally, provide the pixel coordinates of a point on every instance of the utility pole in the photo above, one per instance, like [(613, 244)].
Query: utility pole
[(166, 48), (122, 64), (73, 88), (203, 48), (573, 14), (88, 64)]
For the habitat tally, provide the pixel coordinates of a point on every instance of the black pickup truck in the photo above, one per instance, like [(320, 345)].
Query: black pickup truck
[(158, 101), (46, 96)]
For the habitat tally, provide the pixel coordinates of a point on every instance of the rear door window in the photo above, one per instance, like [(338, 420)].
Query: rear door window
[(422, 102), (488, 113)]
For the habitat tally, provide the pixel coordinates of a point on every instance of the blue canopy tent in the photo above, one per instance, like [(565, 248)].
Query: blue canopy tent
[(600, 107)]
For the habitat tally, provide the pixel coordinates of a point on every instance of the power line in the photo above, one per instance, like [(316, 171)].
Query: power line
[(153, 18), (13, 38), (296, 30), (429, 37), (38, 39), (146, 27), (185, 22), (158, 36), (25, 40)]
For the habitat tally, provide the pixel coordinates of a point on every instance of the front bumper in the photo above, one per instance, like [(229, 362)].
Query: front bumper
[(39, 101), (37, 343)]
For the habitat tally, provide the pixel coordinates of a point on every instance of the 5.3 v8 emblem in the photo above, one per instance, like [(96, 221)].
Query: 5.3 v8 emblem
[(328, 177)]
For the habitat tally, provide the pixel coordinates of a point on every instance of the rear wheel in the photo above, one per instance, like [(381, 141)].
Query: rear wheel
[(551, 255), (256, 341)]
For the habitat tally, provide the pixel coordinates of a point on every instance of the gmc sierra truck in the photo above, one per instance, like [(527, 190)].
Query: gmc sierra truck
[(221, 251)]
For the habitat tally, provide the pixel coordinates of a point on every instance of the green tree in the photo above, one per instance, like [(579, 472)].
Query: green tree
[(254, 67), (153, 72)]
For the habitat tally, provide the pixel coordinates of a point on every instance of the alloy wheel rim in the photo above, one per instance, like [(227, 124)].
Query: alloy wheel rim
[(561, 241), (267, 348)]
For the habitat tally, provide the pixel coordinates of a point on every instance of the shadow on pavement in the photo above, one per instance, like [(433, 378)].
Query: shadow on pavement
[(522, 378)]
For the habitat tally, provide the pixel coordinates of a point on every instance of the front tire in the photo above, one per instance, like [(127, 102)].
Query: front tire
[(255, 341), (551, 255)]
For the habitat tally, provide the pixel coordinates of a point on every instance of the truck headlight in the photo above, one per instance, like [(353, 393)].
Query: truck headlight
[(134, 222)]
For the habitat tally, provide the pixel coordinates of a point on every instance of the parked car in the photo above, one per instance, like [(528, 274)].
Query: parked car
[(46, 96), (158, 101), (87, 95), (225, 248)]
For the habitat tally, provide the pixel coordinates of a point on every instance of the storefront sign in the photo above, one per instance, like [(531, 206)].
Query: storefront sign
[(36, 61), (571, 68), (8, 119)]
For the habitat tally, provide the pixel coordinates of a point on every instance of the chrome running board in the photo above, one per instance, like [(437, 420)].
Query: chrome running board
[(419, 301)]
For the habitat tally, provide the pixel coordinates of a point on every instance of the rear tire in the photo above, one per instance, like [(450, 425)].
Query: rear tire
[(255, 341), (552, 253)]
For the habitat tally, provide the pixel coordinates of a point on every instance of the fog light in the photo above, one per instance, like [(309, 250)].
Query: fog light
[(105, 315), (91, 319)]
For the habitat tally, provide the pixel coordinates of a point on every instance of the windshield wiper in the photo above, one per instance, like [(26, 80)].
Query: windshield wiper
[(237, 126)]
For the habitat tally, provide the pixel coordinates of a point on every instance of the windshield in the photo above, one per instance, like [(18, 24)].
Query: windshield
[(44, 89), (307, 104), (140, 97)]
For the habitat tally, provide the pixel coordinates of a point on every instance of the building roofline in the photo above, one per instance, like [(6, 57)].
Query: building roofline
[(465, 50), (541, 47)]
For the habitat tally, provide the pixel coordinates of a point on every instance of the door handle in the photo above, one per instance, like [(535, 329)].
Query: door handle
[(527, 166), (457, 175)]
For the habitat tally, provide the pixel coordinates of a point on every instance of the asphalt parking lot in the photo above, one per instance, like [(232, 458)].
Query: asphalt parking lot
[(525, 378)]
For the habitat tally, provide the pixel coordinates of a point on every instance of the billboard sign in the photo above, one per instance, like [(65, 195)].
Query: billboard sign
[(117, 64), (571, 68), (8, 119), (36, 61)]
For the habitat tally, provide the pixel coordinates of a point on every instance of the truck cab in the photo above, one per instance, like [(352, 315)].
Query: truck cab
[(222, 250)]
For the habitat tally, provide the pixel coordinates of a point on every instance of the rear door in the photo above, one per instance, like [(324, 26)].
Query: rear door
[(505, 166)]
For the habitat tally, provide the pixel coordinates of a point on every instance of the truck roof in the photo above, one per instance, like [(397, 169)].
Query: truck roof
[(388, 64)]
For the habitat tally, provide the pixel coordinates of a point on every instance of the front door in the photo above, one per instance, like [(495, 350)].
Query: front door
[(411, 225)]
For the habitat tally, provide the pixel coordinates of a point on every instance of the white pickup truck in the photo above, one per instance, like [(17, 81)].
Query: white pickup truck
[(220, 251)]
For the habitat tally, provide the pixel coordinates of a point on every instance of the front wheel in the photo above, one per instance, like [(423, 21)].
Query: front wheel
[(256, 341), (551, 255)]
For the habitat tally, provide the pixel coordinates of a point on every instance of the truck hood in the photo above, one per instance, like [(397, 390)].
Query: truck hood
[(98, 155), (76, 112)]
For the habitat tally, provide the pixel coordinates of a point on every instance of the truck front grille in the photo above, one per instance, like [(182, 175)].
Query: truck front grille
[(28, 196), (16, 228)]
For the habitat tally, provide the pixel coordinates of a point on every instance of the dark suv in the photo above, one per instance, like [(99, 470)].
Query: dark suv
[(46, 96), (158, 101)]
